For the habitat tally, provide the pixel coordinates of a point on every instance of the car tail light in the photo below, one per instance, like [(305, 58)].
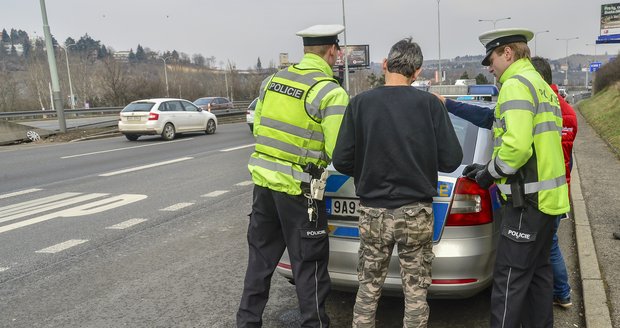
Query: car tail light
[(153, 116), (471, 205)]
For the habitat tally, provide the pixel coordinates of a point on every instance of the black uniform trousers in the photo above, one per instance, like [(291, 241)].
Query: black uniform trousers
[(280, 221), (522, 293)]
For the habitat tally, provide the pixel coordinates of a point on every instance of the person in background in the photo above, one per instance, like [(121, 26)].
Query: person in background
[(483, 117), (527, 129), (296, 125), (393, 141)]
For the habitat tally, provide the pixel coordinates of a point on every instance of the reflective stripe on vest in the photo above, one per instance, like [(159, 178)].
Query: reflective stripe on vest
[(277, 167), (533, 187)]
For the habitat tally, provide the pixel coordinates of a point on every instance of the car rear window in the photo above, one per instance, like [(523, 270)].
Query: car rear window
[(138, 107), (467, 134), (202, 101)]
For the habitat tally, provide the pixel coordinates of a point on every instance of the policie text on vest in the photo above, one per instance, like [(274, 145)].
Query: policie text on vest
[(286, 90)]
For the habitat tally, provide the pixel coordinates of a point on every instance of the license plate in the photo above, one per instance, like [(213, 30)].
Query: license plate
[(133, 118), (343, 207)]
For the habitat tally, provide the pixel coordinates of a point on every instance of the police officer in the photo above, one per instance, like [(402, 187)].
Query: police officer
[(528, 167), (296, 125)]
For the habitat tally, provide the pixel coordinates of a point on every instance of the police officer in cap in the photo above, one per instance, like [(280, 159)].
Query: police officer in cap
[(528, 168), (296, 125)]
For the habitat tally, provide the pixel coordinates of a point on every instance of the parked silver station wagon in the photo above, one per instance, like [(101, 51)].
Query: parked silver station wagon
[(467, 221)]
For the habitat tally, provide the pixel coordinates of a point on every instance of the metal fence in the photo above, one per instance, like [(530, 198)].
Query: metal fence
[(240, 108)]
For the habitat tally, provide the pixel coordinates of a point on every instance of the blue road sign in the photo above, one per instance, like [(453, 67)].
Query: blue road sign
[(594, 66)]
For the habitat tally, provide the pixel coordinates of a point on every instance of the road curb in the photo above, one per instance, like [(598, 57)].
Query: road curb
[(595, 301)]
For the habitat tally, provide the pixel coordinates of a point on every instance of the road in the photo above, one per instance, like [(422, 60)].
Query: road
[(112, 233)]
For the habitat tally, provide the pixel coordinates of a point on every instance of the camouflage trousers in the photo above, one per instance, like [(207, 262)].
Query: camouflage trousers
[(411, 228)]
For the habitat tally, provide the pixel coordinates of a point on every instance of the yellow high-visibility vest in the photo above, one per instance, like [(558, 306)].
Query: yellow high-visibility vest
[(296, 122), (528, 139)]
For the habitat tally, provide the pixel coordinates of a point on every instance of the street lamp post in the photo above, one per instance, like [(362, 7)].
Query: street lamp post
[(536, 40), (166, 74), (494, 21), (344, 56), (439, 44), (566, 71), (51, 59), (66, 49), (592, 44)]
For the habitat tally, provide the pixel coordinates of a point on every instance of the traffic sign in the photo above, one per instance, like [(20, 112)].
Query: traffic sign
[(594, 66)]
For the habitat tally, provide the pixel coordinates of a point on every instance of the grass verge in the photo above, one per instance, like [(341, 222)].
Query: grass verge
[(602, 111)]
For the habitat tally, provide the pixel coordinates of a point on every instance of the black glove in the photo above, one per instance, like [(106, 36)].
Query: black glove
[(484, 178), (471, 170)]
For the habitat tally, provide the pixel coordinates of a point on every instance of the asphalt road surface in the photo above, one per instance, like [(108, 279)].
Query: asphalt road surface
[(112, 233)]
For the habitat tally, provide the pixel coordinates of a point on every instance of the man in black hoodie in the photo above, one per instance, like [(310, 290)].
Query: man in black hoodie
[(393, 141)]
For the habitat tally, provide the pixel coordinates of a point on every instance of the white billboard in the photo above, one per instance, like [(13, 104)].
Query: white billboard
[(610, 19)]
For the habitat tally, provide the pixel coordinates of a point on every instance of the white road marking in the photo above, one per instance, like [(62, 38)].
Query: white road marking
[(176, 207), (143, 167), (17, 193), (2, 269), (24, 209), (245, 183), (126, 224), (215, 193), (62, 246), (240, 147), (81, 210), (125, 148)]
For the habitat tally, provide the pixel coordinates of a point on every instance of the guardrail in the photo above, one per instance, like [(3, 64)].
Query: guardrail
[(240, 107)]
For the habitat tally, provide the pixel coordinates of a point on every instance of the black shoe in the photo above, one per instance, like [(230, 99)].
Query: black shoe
[(617, 235), (563, 302)]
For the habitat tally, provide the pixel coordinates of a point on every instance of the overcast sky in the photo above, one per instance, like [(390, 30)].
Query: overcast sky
[(243, 30)]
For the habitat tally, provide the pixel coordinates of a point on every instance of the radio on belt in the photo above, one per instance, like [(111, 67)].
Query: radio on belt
[(317, 186)]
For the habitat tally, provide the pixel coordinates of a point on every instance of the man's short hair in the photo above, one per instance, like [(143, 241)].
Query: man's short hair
[(543, 68), (405, 57), (520, 50), (319, 50)]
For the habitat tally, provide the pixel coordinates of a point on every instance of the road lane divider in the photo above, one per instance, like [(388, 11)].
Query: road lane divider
[(144, 167), (18, 193), (125, 148), (176, 207), (126, 224), (237, 148), (62, 246), (215, 193), (245, 183)]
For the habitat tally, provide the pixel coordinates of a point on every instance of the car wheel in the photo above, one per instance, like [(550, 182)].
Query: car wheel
[(132, 137), (210, 127), (168, 133)]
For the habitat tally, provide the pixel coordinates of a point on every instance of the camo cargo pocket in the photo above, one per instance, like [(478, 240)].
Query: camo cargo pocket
[(314, 244), (425, 269), (370, 224), (419, 227)]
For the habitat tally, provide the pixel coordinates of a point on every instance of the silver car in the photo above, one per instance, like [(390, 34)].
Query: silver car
[(467, 220), (164, 116)]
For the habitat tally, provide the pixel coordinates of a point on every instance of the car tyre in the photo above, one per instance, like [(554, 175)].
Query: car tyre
[(210, 127), (168, 132), (132, 137)]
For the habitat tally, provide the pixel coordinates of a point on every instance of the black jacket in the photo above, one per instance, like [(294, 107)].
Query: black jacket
[(393, 141)]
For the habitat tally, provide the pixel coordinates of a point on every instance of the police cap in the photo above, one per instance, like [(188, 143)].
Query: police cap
[(493, 39), (321, 34)]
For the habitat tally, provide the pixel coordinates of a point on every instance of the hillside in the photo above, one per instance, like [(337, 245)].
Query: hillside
[(602, 112)]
